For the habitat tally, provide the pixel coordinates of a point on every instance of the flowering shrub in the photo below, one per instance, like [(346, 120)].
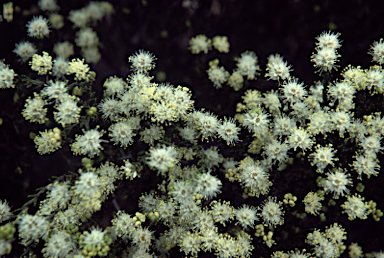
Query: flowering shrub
[(183, 169)]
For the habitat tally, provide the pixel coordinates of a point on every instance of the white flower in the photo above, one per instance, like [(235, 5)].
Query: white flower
[(148, 203), (190, 244), (236, 80), (317, 91), (5, 211), (123, 224), (70, 215), (32, 228), (152, 134), (163, 112), (209, 239), (371, 145), (48, 5), (207, 124), (162, 158), (326, 248), (6, 76), (48, 141), (79, 69), (59, 193), (182, 100), (301, 112), (221, 43), (88, 144), (256, 121), (208, 186), (63, 49), (142, 61), (359, 129), (122, 132), (355, 207), (139, 80), (86, 38), (375, 79), (114, 86), (80, 18), (222, 212), (141, 238), (110, 108), (312, 203), (299, 138), (5, 246), (271, 212), (322, 157), (188, 134), (88, 185), (272, 102), (252, 99), (277, 68), (320, 122), (60, 67), (55, 90), (97, 10), (200, 43), (325, 59), (34, 109), (212, 157), (246, 216), (226, 247), (366, 165), (25, 50), (328, 39), (91, 54), (377, 51), (42, 64), (293, 91), (67, 111), (164, 92), (276, 151), (166, 212), (228, 131), (217, 75), (341, 91), (255, 177), (203, 221), (95, 238), (182, 192), (247, 65), (283, 125), (336, 233), (341, 120), (38, 27), (336, 183), (59, 245)]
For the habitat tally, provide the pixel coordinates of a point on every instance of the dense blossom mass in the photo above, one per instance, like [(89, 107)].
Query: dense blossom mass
[(172, 177)]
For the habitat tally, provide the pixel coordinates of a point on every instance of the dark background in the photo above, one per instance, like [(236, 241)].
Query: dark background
[(265, 27)]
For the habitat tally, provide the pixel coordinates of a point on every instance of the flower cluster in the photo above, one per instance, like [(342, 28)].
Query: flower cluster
[(79, 69), (25, 50), (48, 141), (89, 143), (277, 69), (38, 27), (42, 64), (326, 54), (6, 76), (200, 43), (184, 156)]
